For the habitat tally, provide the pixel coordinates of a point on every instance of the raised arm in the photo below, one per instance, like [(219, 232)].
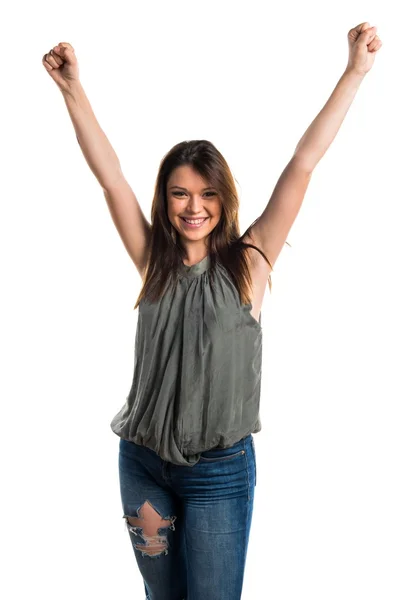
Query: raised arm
[(272, 228), (134, 229)]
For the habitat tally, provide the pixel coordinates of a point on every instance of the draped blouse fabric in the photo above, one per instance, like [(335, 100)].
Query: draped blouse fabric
[(197, 373)]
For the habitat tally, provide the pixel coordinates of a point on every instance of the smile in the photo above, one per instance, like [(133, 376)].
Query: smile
[(193, 223)]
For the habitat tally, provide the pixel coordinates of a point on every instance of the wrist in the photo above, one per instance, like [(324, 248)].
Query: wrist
[(72, 88), (354, 74)]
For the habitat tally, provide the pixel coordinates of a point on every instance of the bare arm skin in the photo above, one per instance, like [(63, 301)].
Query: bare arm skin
[(272, 227), (134, 229)]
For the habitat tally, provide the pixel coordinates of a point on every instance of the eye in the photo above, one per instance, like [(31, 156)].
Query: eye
[(177, 193)]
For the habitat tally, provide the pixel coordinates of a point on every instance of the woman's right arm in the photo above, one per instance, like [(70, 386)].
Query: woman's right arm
[(125, 210)]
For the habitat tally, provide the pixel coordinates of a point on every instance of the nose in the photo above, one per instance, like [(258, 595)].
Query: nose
[(195, 203)]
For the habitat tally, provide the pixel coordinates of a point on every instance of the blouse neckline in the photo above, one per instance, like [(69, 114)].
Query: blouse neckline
[(196, 269)]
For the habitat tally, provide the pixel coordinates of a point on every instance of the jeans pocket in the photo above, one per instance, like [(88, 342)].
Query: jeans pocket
[(220, 454)]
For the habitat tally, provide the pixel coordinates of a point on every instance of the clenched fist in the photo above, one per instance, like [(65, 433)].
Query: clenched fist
[(62, 65), (364, 43)]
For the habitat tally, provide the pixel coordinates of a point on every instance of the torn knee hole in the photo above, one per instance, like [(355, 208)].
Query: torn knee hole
[(146, 526)]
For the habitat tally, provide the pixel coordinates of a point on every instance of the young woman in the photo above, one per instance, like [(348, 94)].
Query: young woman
[(187, 461)]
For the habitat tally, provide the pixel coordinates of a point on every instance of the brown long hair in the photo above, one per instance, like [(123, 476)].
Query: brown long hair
[(224, 242)]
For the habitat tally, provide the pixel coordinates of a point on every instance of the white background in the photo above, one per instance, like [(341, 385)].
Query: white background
[(250, 77)]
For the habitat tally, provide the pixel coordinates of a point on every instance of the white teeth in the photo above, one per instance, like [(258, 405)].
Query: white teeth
[(193, 222)]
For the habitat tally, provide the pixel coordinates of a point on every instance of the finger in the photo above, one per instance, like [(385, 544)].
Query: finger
[(372, 43), (46, 63), (66, 52), (56, 57), (369, 34), (360, 28), (57, 51), (374, 46), (66, 46), (50, 59), (357, 32)]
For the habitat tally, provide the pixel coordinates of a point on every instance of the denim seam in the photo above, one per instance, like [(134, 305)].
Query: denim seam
[(255, 462), (222, 458), (247, 472)]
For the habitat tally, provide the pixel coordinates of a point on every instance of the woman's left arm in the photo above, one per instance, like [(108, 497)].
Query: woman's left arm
[(363, 45), (272, 227)]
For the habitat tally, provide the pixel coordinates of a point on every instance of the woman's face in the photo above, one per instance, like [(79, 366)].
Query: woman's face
[(191, 198)]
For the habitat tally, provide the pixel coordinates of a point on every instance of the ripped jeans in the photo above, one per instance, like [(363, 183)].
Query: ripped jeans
[(189, 525)]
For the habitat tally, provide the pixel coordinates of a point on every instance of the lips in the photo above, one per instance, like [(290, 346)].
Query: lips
[(191, 219), (196, 225)]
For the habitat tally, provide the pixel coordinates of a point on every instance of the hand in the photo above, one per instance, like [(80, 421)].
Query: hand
[(62, 65), (363, 45)]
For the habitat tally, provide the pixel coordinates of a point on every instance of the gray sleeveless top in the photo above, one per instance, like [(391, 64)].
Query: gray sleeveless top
[(197, 373)]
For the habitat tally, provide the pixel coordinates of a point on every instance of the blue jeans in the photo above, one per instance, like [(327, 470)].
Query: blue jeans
[(189, 525)]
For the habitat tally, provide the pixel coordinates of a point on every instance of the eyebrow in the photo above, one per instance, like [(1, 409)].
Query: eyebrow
[(182, 188)]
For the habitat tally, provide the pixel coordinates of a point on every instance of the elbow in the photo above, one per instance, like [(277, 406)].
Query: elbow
[(304, 163)]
